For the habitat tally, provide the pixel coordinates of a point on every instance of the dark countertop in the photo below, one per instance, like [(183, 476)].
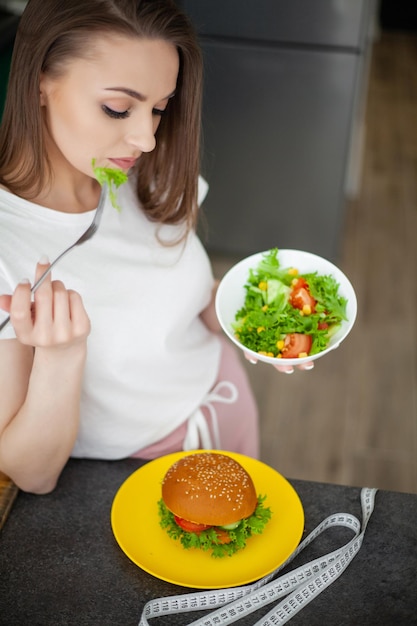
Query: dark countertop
[(60, 564)]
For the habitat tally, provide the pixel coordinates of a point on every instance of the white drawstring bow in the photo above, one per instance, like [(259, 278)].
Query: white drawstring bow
[(198, 432)]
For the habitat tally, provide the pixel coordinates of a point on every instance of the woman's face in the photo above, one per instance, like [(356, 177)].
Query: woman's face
[(108, 105)]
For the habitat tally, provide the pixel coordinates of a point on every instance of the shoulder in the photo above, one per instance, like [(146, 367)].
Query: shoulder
[(203, 188)]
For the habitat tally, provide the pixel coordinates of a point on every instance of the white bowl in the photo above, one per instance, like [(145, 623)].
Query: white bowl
[(231, 295)]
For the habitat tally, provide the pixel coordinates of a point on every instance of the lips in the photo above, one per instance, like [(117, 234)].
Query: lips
[(124, 163)]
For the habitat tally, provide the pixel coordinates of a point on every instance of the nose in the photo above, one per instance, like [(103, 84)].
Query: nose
[(141, 134)]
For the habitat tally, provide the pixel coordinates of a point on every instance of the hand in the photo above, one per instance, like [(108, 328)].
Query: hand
[(56, 317), (286, 369)]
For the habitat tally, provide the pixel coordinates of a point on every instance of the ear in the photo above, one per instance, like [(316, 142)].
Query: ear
[(42, 89)]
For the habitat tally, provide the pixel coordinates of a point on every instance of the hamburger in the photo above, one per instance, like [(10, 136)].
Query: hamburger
[(209, 502)]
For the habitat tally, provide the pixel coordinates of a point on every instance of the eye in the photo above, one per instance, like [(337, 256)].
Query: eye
[(118, 115), (159, 112)]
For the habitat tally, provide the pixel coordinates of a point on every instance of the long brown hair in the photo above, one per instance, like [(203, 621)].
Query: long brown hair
[(50, 33)]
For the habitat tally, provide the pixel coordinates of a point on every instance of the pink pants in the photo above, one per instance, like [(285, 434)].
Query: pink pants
[(237, 422)]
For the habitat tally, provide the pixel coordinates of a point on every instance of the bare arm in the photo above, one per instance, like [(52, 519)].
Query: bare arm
[(40, 382), (209, 316)]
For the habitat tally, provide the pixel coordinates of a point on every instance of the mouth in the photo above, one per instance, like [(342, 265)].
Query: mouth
[(124, 163)]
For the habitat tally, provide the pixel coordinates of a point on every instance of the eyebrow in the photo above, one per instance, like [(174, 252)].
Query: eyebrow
[(136, 94)]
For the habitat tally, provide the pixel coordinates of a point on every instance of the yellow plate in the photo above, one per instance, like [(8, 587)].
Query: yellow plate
[(135, 523)]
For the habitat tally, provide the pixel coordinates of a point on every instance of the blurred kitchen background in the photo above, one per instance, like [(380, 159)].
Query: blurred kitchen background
[(310, 142)]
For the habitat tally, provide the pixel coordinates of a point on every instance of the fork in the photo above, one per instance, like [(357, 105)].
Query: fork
[(91, 230)]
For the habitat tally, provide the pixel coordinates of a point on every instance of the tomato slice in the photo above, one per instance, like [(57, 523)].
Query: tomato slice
[(295, 344), (300, 295), (222, 536), (190, 527)]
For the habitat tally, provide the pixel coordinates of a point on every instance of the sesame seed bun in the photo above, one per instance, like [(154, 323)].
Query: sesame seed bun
[(209, 488)]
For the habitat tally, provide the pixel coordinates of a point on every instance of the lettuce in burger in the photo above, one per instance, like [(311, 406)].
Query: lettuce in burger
[(209, 502)]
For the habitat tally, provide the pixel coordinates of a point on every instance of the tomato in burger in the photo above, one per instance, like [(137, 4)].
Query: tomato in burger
[(209, 502)]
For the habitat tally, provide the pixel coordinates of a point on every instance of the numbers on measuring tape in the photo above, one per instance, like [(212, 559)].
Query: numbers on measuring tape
[(298, 587)]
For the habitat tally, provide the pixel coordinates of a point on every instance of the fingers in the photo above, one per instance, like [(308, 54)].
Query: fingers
[(305, 367), (53, 317), (41, 268), (56, 317), (44, 298), (5, 302), (20, 308), (285, 369), (80, 320), (289, 369)]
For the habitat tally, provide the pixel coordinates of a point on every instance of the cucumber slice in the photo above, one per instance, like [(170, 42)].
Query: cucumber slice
[(230, 526)]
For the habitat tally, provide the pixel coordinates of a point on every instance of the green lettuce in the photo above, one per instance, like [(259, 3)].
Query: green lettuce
[(113, 178), (267, 315), (208, 540)]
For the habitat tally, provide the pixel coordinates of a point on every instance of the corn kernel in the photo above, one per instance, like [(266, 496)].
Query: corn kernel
[(270, 354), (280, 344), (260, 329), (263, 286), (307, 309), (265, 308), (293, 271), (302, 355)]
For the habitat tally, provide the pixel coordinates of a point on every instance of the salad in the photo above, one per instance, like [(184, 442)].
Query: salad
[(287, 314), (113, 178)]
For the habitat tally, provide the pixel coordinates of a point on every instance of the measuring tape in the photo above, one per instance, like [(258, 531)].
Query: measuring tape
[(299, 587)]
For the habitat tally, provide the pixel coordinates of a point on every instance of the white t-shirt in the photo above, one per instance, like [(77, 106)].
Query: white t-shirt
[(150, 358)]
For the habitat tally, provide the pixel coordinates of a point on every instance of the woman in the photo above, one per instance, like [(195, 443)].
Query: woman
[(120, 352)]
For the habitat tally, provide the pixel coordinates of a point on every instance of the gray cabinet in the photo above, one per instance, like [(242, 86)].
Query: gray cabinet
[(8, 27), (280, 99)]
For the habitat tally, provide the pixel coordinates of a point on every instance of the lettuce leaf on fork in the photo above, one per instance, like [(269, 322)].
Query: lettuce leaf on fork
[(113, 178)]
